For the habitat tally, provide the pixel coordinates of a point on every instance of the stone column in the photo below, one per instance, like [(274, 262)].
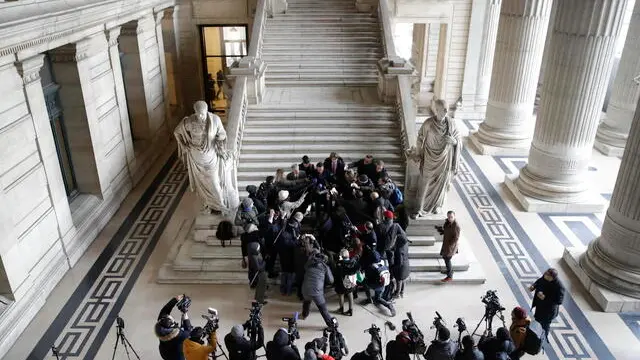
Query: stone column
[(173, 74), (612, 133), (613, 259), (29, 69), (121, 98), (508, 124), (163, 67), (574, 86), (486, 56)]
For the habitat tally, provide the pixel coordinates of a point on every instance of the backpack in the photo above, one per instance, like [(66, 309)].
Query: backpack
[(349, 281), (532, 340), (397, 197), (382, 270), (224, 232)]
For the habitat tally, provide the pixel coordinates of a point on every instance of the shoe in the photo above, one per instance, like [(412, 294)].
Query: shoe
[(392, 310), (340, 311), (446, 280), (304, 317), (402, 295), (348, 313)]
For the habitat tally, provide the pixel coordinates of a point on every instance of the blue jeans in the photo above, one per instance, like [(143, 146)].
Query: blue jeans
[(286, 283)]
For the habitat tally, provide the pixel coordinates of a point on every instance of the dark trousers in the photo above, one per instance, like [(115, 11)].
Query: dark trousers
[(322, 307), (271, 261), (378, 299), (447, 263), (546, 325), (260, 284)]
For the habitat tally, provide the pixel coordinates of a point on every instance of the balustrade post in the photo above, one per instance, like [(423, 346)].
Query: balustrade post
[(388, 70), (254, 70)]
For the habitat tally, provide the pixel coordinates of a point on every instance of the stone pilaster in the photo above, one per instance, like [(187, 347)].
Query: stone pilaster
[(581, 52), (159, 16), (173, 72), (613, 259), (29, 70), (388, 71), (612, 133), (121, 98), (188, 56), (490, 32), (508, 124)]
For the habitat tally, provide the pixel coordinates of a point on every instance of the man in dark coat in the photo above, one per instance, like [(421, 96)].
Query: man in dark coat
[(251, 236), (280, 349), (401, 269), (365, 166), (497, 347), (260, 204), (548, 296), (286, 245), (370, 257), (469, 350), (241, 348), (307, 166), (379, 172), (170, 333), (450, 232), (335, 166), (442, 348), (371, 353), (257, 275), (316, 275), (388, 234)]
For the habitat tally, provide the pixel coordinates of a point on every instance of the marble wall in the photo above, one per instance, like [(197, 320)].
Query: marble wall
[(45, 232)]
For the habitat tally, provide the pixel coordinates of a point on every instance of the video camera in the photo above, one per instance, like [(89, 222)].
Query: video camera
[(438, 322), (417, 345), (337, 345), (492, 302), (374, 331), (184, 304), (292, 328), (461, 325), (213, 321)]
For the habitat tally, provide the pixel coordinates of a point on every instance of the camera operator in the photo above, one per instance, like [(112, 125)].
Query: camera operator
[(371, 353), (442, 348), (170, 333), (281, 348), (337, 344), (497, 347), (194, 347), (315, 350), (469, 350), (400, 348), (241, 348)]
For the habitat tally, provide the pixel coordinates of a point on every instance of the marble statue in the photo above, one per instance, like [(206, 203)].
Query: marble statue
[(437, 154), (211, 167)]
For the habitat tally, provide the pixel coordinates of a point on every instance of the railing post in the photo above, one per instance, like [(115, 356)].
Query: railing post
[(254, 70), (277, 7), (388, 70)]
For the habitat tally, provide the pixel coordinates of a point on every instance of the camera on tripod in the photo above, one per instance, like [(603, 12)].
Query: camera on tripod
[(461, 325), (438, 322), (492, 302), (292, 328), (184, 304), (417, 344), (212, 323)]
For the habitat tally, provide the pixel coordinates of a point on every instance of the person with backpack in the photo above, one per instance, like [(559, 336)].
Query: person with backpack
[(346, 270), (547, 298), (518, 330), (376, 278)]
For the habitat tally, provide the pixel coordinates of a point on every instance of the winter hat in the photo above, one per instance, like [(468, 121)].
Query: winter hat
[(305, 159), (237, 331), (298, 216), (283, 195), (247, 203), (252, 228), (388, 214), (519, 313)]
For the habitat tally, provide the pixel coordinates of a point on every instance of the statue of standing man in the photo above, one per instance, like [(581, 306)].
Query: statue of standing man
[(438, 154), (201, 146)]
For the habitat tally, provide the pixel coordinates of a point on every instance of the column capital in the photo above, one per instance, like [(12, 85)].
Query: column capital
[(29, 69), (112, 35)]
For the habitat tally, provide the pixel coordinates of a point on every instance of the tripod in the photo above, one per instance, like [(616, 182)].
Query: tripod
[(120, 337), (215, 355), (487, 318)]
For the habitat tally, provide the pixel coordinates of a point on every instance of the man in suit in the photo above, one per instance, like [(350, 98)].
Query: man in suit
[(335, 166), (296, 174)]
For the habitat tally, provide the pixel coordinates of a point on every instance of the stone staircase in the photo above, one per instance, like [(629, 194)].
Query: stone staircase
[(321, 97)]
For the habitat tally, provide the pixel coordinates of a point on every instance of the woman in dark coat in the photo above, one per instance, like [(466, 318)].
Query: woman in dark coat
[(345, 267), (400, 270), (547, 298)]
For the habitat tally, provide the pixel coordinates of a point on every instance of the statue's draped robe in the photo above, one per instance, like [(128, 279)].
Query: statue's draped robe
[(438, 161), (211, 169)]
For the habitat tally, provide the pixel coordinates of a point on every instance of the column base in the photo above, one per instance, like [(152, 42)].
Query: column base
[(608, 150), (484, 149), (590, 202), (608, 300)]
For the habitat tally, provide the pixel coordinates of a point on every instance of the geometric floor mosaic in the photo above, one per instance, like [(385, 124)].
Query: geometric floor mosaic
[(90, 312)]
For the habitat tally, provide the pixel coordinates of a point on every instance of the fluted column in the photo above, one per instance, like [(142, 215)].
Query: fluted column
[(612, 133), (581, 51), (486, 56), (613, 259), (522, 32)]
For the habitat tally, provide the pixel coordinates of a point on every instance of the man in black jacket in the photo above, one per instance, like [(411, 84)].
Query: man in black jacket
[(372, 353), (497, 347), (240, 348), (549, 295), (365, 166), (170, 333), (280, 348)]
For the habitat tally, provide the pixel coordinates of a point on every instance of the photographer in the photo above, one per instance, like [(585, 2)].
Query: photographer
[(400, 348), (469, 350), (194, 347), (497, 347), (315, 350), (170, 333), (442, 348), (371, 353), (241, 348), (281, 348)]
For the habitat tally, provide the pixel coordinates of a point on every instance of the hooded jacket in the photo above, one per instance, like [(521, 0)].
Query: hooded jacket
[(239, 347), (171, 338), (441, 350), (195, 351), (256, 263), (316, 274), (401, 268), (279, 348), (286, 245), (497, 347)]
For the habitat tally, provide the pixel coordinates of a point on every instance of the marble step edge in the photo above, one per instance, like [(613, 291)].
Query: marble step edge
[(317, 54), (296, 156), (319, 78), (310, 122), (319, 71), (341, 148), (337, 83), (255, 129), (381, 139), (340, 110), (247, 166)]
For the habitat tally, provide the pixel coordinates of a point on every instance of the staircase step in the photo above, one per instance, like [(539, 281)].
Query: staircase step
[(341, 148), (309, 139), (320, 109), (295, 156), (329, 47), (269, 167), (291, 131), (306, 124), (317, 39), (336, 82), (258, 176), (364, 53)]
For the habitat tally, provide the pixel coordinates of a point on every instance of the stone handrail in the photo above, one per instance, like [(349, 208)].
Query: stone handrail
[(257, 31), (406, 112), (386, 29), (237, 115)]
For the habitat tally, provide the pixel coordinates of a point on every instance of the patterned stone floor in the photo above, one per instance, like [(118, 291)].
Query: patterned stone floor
[(117, 274)]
